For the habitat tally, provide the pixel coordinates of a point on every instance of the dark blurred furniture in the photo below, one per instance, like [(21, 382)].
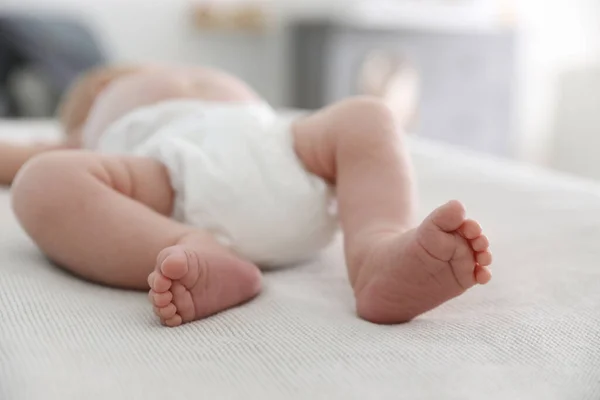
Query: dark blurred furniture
[(466, 76), (56, 48)]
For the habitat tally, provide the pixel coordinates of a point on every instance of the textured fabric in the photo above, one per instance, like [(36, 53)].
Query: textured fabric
[(235, 174), (533, 333)]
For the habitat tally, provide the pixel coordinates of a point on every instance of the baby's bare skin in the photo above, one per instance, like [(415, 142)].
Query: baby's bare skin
[(105, 218)]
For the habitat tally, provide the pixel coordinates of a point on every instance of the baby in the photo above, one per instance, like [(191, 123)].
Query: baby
[(189, 184)]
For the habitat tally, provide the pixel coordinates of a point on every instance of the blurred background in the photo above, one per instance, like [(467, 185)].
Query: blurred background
[(511, 78)]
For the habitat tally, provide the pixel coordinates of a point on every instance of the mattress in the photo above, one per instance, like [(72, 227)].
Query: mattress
[(532, 333)]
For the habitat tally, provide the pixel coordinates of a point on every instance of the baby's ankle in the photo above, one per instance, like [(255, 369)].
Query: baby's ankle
[(363, 250)]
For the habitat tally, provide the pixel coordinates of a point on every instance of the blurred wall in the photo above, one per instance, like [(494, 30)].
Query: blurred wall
[(558, 36), (138, 30)]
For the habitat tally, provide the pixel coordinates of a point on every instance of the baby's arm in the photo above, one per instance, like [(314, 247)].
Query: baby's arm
[(13, 156)]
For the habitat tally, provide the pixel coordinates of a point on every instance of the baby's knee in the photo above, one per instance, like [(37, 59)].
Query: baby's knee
[(40, 187), (368, 121), (367, 106), (38, 171)]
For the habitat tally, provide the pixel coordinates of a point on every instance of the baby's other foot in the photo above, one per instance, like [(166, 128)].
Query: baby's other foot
[(406, 275), (190, 284)]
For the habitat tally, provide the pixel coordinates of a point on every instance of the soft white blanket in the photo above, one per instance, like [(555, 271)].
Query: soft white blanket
[(533, 333)]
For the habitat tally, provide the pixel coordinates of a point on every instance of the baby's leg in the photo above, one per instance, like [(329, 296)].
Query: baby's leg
[(397, 272), (14, 155), (106, 219)]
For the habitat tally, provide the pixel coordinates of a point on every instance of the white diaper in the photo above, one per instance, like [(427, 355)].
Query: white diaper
[(235, 174)]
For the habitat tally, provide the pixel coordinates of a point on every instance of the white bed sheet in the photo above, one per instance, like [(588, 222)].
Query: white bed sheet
[(533, 333)]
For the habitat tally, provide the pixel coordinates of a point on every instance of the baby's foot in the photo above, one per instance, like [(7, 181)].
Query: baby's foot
[(190, 284), (409, 274)]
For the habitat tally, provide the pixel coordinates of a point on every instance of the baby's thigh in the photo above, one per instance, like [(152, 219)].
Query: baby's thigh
[(51, 180)]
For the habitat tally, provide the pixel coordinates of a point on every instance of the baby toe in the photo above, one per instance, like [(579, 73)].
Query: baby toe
[(178, 290), (448, 217), (157, 312), (483, 275), (463, 264), (161, 299), (470, 229), (484, 258), (175, 265), (150, 279), (480, 243), (167, 312), (174, 321), (160, 284)]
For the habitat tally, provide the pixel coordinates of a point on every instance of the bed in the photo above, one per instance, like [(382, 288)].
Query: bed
[(533, 333)]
